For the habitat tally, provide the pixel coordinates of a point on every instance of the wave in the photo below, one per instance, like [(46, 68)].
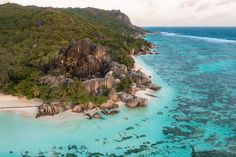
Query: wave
[(200, 38)]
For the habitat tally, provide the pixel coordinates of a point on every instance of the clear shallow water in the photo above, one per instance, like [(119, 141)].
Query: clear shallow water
[(196, 107)]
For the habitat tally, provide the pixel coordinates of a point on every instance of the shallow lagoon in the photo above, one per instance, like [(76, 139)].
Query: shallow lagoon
[(195, 108)]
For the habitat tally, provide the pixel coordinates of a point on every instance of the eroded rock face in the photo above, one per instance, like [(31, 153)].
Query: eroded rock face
[(50, 109), (108, 105), (140, 78), (126, 97), (90, 106), (137, 102), (77, 109), (84, 59), (113, 95), (96, 84), (119, 70), (153, 86)]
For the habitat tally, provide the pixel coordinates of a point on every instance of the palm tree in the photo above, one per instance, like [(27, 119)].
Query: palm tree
[(36, 91), (63, 91)]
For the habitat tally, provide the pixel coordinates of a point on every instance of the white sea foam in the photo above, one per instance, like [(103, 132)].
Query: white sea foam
[(218, 40)]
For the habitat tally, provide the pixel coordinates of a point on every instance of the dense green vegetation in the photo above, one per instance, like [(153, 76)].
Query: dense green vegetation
[(124, 84), (31, 37)]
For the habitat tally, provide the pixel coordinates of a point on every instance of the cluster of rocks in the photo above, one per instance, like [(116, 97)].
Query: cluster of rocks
[(133, 101), (145, 50), (99, 73), (83, 59), (142, 80)]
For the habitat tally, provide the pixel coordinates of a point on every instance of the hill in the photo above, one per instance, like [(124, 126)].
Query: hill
[(31, 39)]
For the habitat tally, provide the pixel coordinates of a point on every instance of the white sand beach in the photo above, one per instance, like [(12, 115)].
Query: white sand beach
[(17, 105)]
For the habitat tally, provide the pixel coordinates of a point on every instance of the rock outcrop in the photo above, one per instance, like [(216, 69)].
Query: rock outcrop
[(77, 109), (50, 109), (108, 105), (144, 49), (110, 112), (84, 59), (113, 95), (137, 102), (142, 80), (126, 97), (119, 70), (96, 84), (90, 63), (97, 116)]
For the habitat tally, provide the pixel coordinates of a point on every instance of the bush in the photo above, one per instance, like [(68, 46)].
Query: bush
[(124, 85)]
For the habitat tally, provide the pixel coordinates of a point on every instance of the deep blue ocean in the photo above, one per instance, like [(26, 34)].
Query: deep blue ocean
[(196, 107)]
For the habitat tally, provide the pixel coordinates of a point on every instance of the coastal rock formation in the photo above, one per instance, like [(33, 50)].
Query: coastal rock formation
[(108, 105), (126, 97), (97, 116), (144, 49), (110, 112), (137, 102), (119, 70), (133, 89), (53, 81), (84, 59), (50, 109), (113, 95), (153, 86), (96, 84), (90, 106), (140, 78), (77, 109)]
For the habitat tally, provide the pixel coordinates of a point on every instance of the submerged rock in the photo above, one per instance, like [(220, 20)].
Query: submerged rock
[(97, 116), (112, 112), (212, 153)]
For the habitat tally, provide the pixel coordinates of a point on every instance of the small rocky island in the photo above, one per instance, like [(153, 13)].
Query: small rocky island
[(101, 76)]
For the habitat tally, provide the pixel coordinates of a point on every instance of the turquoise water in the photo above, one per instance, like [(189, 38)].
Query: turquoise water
[(195, 107)]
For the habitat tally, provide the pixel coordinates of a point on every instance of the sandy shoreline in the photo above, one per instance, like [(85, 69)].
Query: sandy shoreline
[(13, 101)]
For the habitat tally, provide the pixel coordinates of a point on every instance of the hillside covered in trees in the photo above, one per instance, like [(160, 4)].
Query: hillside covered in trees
[(31, 39)]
